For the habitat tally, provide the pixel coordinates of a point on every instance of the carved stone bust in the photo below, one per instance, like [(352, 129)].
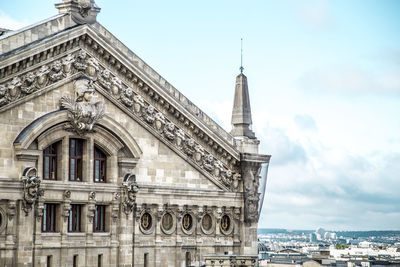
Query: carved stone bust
[(82, 112)]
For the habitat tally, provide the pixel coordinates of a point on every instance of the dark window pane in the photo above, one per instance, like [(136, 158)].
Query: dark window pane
[(73, 146), (46, 168), (44, 222), (99, 165), (79, 169), (74, 221), (50, 162), (96, 171), (75, 158), (99, 218), (72, 170), (49, 218)]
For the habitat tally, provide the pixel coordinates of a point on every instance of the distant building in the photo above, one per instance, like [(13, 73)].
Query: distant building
[(313, 237), (320, 231)]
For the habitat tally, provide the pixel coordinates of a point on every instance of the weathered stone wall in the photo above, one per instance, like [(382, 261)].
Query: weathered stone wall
[(163, 178)]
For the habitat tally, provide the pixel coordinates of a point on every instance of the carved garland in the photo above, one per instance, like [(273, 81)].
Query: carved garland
[(80, 61), (152, 96)]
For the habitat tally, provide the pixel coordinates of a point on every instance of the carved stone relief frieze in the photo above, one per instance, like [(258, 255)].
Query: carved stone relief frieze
[(84, 114)]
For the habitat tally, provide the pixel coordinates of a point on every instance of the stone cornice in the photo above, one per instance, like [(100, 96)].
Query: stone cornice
[(161, 92), (132, 70), (125, 89)]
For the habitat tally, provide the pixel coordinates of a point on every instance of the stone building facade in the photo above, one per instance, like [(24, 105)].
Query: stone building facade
[(104, 163)]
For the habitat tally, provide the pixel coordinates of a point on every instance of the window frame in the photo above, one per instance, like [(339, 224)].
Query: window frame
[(78, 159), (75, 218), (99, 215), (49, 218), (102, 163), (51, 156)]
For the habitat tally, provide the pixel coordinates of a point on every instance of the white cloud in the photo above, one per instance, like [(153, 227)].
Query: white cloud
[(9, 23), (312, 184), (305, 122), (350, 79)]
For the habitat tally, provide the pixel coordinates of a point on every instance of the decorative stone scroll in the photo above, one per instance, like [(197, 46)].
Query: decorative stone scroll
[(82, 113), (32, 190)]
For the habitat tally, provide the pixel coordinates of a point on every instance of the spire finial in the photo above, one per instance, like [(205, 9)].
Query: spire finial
[(241, 55)]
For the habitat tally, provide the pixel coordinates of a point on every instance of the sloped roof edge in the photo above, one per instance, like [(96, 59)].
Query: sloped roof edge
[(126, 56), (163, 83)]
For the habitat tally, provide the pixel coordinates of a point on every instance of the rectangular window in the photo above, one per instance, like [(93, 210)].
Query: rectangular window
[(100, 260), (50, 162), (99, 218), (99, 166), (75, 261), (74, 219), (49, 218), (146, 260), (75, 159), (49, 261)]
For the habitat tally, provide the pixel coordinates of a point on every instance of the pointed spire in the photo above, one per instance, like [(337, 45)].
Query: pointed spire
[(241, 113)]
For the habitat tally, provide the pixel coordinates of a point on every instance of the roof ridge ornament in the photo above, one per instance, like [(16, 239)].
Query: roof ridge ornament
[(82, 11)]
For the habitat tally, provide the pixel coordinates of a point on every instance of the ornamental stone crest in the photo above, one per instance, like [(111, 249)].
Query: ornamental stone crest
[(32, 190), (83, 114)]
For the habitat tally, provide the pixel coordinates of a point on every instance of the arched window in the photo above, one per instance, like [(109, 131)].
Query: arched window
[(100, 166), (75, 159), (50, 161)]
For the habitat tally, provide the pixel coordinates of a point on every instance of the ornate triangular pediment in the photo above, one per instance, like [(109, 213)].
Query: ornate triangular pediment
[(84, 52)]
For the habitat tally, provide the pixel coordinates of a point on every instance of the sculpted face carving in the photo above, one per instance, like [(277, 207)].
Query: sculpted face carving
[(32, 190), (130, 189), (83, 114)]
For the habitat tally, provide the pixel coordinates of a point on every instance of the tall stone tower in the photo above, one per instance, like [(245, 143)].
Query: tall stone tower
[(251, 161)]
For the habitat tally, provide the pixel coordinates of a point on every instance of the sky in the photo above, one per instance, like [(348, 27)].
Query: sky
[(324, 81)]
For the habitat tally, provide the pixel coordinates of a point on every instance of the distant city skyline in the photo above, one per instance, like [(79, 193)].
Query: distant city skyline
[(324, 82)]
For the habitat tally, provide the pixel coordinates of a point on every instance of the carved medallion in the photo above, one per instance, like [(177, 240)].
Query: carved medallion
[(167, 221), (187, 222), (225, 223), (145, 221), (206, 222)]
